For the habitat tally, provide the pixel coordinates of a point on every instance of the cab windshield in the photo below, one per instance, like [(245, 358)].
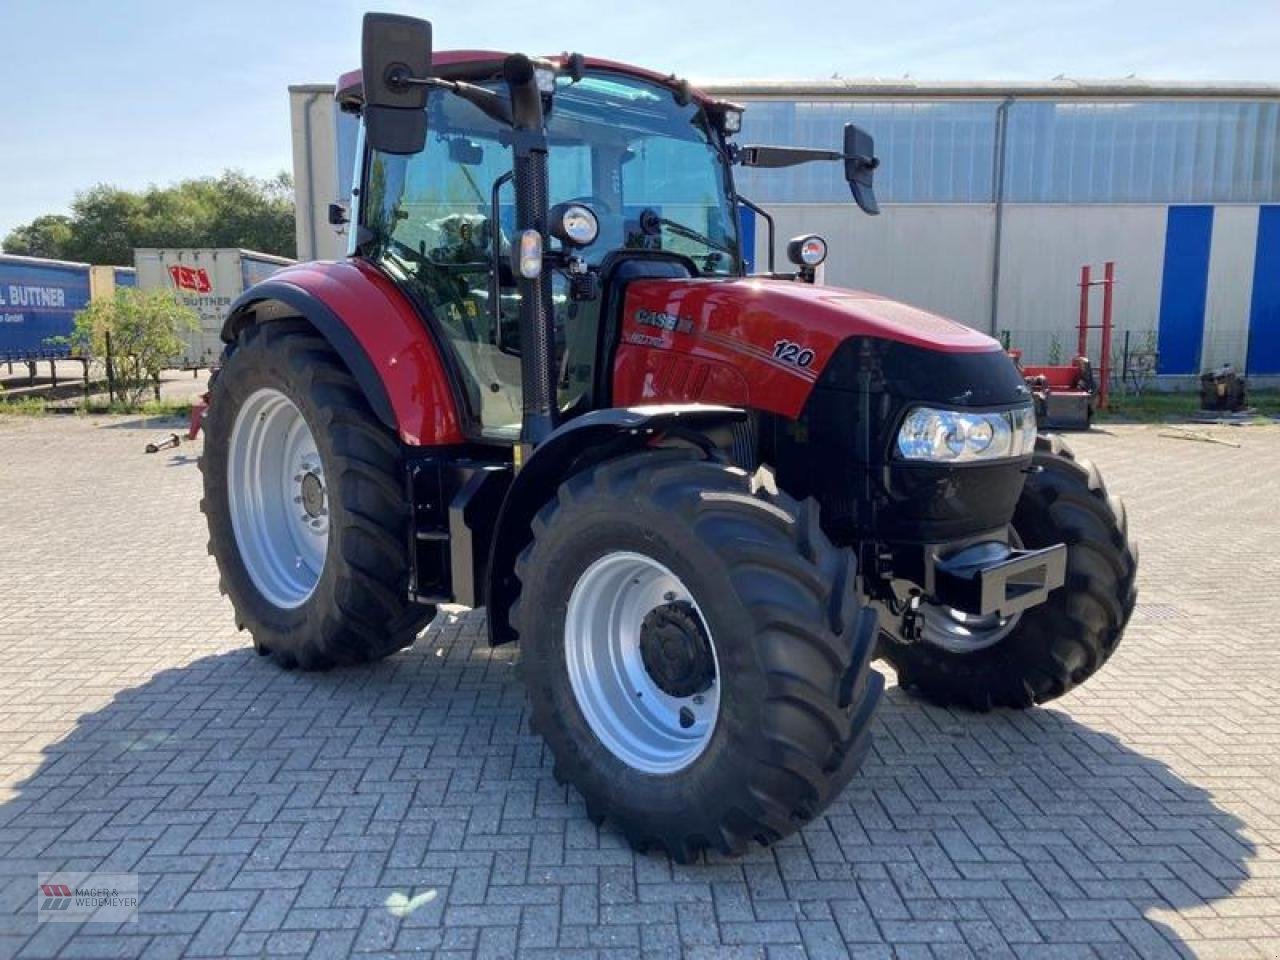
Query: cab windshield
[(625, 146), (622, 145)]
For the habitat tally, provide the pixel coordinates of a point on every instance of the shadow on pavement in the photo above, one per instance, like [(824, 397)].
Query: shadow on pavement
[(258, 804)]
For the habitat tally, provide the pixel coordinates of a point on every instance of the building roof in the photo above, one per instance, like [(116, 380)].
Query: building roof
[(879, 88), (1058, 88)]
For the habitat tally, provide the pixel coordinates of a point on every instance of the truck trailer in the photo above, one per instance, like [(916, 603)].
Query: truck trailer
[(39, 299), (208, 280)]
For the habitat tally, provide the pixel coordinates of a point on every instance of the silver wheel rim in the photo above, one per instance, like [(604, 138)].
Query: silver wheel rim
[(961, 632), (278, 499), (629, 713)]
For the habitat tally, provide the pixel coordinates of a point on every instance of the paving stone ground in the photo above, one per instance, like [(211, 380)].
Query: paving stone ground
[(405, 809)]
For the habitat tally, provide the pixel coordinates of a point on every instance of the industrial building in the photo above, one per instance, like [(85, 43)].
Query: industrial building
[(993, 196)]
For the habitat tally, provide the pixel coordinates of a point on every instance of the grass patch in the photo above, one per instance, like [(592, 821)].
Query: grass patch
[(150, 408), (39, 406), (22, 406), (1153, 407)]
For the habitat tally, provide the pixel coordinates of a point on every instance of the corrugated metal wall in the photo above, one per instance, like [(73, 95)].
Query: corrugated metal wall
[(1086, 181), (939, 256)]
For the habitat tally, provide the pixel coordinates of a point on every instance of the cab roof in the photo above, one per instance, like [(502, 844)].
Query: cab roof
[(479, 65)]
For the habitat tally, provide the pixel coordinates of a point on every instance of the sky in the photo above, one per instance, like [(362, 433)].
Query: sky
[(138, 92)]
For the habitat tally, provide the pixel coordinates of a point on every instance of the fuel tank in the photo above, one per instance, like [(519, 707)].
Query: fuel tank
[(758, 343)]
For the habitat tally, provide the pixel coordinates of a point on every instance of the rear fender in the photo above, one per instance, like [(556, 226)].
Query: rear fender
[(379, 335), (580, 443)]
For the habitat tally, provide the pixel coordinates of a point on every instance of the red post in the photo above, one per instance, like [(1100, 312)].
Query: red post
[(1082, 342), (1104, 367)]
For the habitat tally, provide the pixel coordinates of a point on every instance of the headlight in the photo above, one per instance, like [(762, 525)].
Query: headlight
[(807, 251), (574, 224), (963, 436)]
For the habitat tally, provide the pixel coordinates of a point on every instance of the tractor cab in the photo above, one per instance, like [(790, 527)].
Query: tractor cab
[(630, 169), (638, 182)]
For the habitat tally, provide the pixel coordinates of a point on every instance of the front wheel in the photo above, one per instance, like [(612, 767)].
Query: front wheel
[(695, 652), (1041, 653)]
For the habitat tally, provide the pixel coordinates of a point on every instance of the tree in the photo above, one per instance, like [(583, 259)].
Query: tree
[(107, 223), (142, 328), (46, 236)]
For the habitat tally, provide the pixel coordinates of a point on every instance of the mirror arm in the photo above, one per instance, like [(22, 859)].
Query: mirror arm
[(767, 219), (488, 101), (775, 157)]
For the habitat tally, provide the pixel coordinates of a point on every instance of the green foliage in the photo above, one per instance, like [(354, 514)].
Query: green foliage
[(1055, 351), (144, 328), (46, 236), (107, 223)]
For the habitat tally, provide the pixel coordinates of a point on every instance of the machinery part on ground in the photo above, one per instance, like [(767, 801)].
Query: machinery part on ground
[(1055, 646), (695, 652), (167, 443), (1222, 390), (304, 495), (1065, 396)]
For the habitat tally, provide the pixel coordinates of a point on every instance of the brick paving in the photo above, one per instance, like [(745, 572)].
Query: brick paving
[(405, 809)]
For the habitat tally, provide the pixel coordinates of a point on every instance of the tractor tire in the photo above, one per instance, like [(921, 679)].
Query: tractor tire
[(1060, 643), (724, 598), (324, 583)]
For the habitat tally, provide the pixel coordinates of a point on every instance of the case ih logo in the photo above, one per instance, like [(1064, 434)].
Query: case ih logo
[(57, 896), (195, 279)]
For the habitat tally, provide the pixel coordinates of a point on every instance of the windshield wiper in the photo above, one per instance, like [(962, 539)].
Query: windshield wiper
[(650, 221)]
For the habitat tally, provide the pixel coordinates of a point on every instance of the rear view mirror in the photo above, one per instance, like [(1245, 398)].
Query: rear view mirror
[(466, 152), (860, 162), (396, 51)]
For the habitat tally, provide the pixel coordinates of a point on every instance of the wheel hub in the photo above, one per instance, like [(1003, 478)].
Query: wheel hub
[(277, 498), (642, 662), (312, 494), (675, 650)]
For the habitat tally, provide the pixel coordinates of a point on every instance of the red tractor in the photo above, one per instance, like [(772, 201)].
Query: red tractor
[(701, 500)]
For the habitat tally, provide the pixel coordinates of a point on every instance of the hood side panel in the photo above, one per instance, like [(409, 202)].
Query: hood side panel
[(757, 343)]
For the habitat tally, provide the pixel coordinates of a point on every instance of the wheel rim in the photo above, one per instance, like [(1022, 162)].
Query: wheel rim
[(278, 498), (961, 632), (614, 602)]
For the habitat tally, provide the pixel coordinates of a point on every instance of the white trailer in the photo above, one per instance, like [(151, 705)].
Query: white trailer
[(208, 280)]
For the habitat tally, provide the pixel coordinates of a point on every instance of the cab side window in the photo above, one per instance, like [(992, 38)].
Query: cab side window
[(431, 212)]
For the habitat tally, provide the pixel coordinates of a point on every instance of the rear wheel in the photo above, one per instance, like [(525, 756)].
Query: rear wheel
[(695, 652), (305, 504), (1040, 654)]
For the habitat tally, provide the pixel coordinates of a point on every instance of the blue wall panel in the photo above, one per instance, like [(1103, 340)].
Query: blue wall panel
[(1264, 309), (1188, 236)]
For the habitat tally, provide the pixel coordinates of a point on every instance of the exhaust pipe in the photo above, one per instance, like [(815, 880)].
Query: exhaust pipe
[(537, 327)]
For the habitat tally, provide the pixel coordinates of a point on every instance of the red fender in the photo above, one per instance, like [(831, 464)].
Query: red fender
[(399, 351), (756, 343)]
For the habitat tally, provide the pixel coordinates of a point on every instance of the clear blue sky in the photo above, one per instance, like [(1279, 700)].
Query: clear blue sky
[(139, 92)]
